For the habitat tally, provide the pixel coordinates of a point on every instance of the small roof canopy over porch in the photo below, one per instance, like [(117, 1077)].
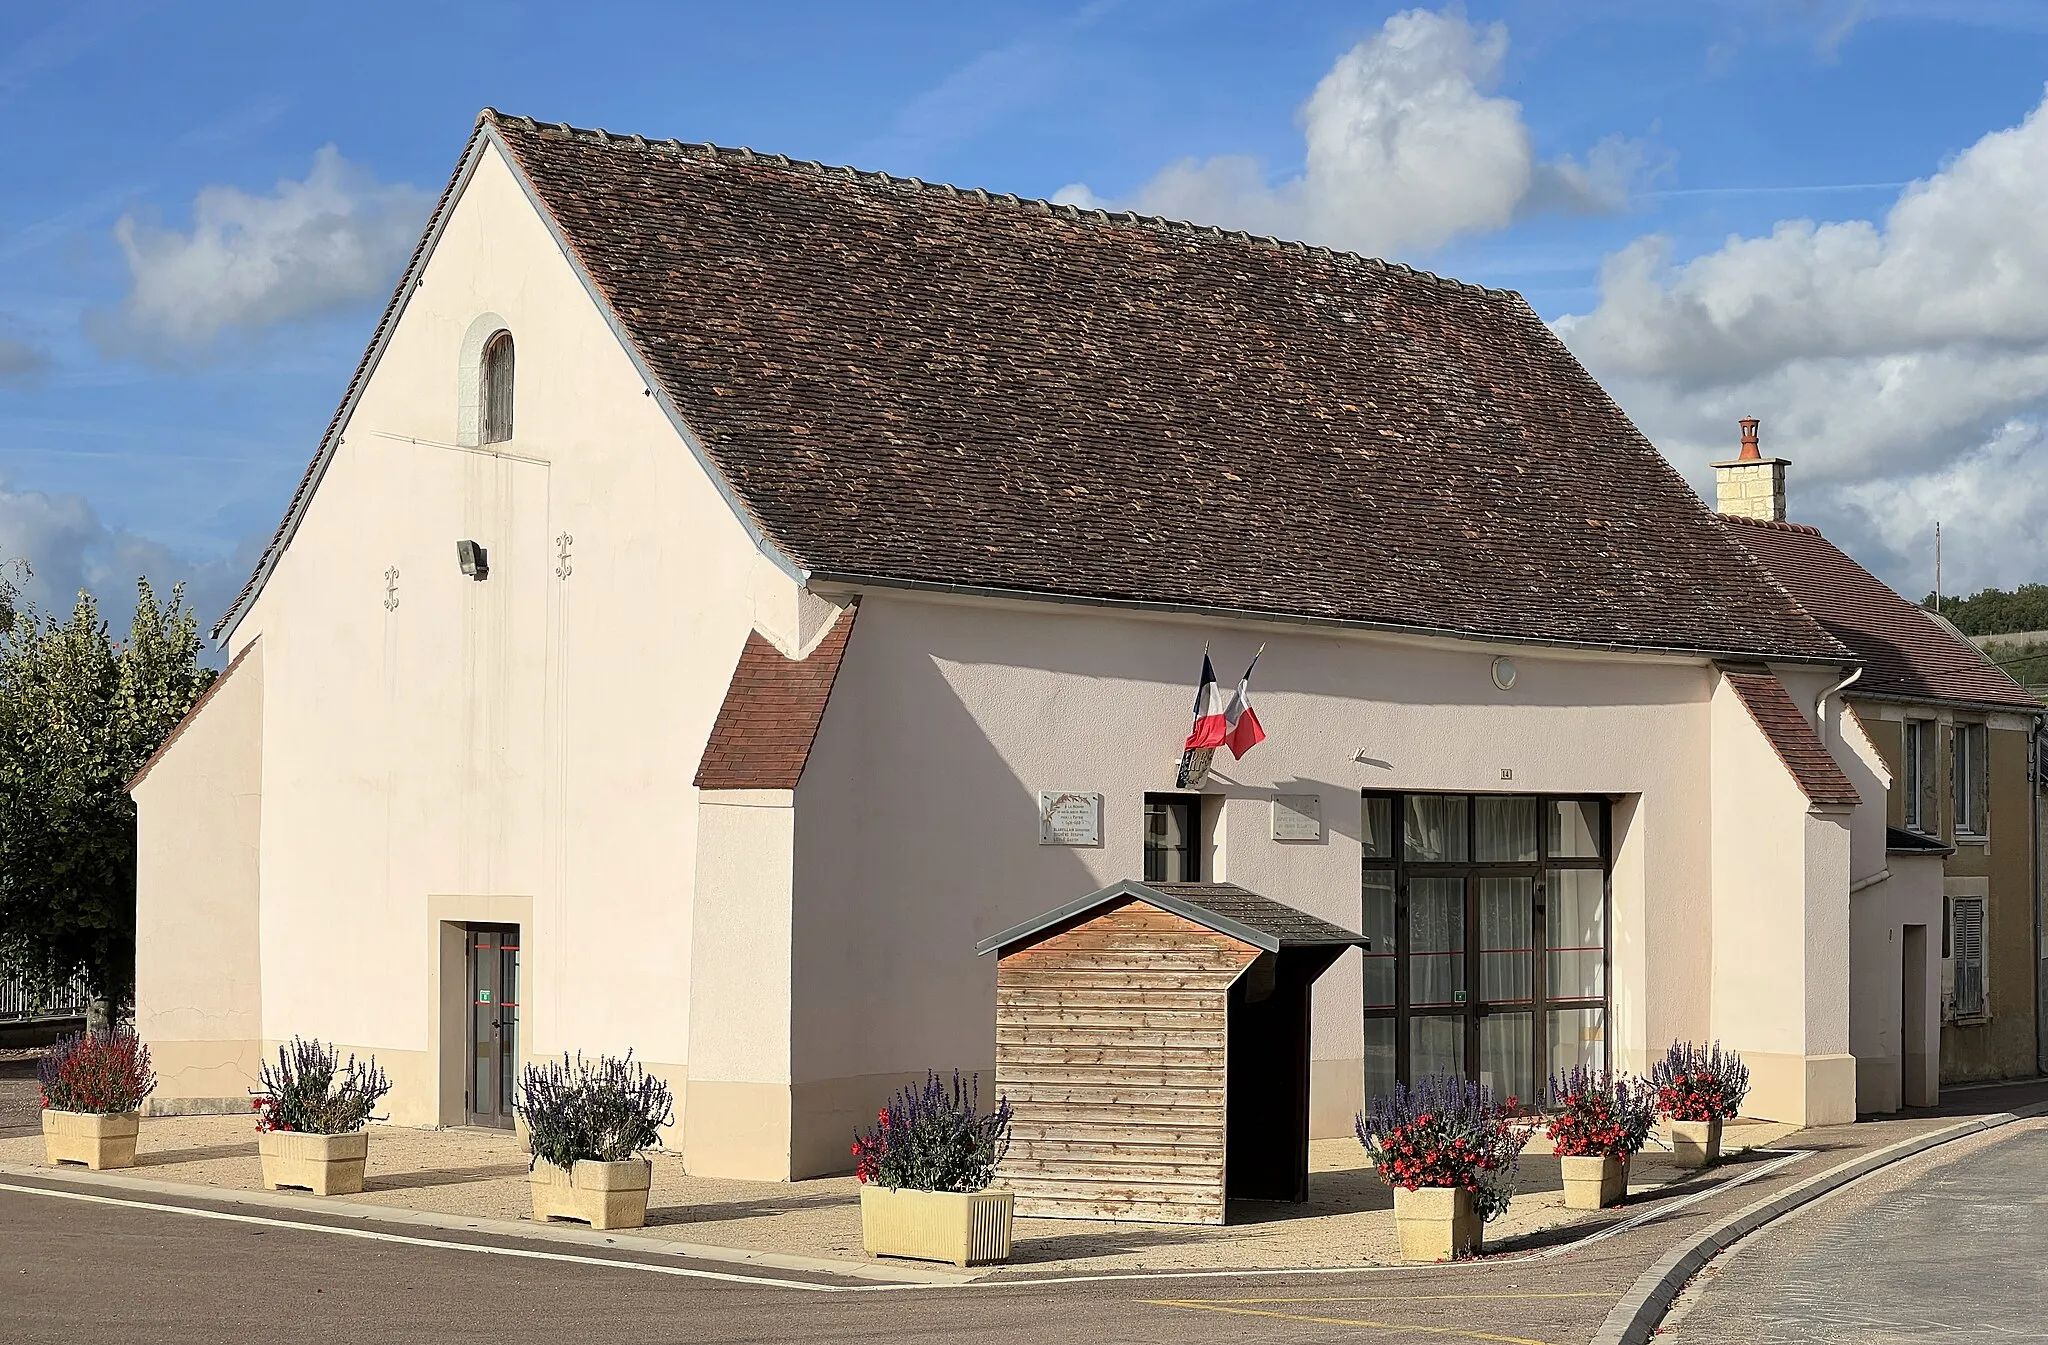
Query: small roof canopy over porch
[(1153, 1041)]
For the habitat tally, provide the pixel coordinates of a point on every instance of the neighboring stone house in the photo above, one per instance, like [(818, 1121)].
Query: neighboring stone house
[(1958, 739), (733, 588)]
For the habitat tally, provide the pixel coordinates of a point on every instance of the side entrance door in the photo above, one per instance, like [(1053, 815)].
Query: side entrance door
[(494, 1023)]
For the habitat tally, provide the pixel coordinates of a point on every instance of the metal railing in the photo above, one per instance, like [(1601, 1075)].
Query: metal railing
[(20, 1003)]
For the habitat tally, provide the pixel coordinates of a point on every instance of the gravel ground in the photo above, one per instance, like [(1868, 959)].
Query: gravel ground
[(482, 1174)]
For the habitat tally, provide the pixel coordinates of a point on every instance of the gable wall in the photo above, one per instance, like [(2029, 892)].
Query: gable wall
[(198, 978), (527, 738), (1780, 914)]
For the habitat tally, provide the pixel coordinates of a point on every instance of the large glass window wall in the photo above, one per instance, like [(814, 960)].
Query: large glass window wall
[(1488, 915)]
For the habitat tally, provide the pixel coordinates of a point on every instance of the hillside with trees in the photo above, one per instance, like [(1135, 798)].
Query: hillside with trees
[(1995, 611)]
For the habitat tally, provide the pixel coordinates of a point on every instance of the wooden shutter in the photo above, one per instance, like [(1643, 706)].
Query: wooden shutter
[(1967, 914)]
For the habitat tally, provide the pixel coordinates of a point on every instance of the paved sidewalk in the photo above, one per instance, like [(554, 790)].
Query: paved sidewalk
[(1545, 1282), (481, 1174)]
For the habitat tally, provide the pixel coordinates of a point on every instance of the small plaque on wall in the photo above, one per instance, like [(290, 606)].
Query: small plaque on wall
[(1067, 818), (1297, 817)]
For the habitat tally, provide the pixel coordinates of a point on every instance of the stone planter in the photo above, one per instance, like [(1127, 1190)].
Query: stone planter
[(1436, 1223), (1694, 1144), (92, 1138), (1593, 1183), (603, 1195), (326, 1165), (964, 1227)]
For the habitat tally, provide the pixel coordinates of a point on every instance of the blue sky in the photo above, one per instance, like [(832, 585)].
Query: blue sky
[(206, 205)]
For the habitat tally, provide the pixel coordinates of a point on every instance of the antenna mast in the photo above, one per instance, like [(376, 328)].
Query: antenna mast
[(1937, 566)]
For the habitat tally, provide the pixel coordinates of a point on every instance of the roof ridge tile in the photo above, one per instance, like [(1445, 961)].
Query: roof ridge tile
[(1101, 215)]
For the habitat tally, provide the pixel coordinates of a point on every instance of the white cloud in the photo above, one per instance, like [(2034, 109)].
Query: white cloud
[(1902, 364), (67, 547), (1405, 150), (335, 238)]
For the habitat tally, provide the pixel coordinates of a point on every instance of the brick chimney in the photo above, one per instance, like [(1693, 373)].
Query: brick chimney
[(1751, 485)]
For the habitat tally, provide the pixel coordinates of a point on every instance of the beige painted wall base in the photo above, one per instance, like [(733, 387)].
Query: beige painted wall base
[(827, 1112), (774, 1132), (201, 1072), (1336, 1094), (737, 1129), (1879, 1085), (198, 1106), (1805, 1090)]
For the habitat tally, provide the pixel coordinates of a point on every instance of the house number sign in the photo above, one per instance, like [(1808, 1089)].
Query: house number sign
[(1066, 818)]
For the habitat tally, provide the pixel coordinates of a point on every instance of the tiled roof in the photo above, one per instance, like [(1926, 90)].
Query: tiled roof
[(1224, 907), (178, 729), (1906, 652), (1797, 745), (773, 705), (915, 384), (1290, 926)]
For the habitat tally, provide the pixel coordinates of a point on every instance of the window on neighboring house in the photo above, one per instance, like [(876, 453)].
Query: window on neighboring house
[(1966, 917), (1173, 852), (1972, 780), (496, 396), (1918, 781)]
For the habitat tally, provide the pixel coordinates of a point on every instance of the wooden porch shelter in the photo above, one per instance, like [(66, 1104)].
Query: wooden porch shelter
[(1153, 1041)]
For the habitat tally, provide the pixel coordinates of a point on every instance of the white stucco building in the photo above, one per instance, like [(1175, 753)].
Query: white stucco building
[(824, 522)]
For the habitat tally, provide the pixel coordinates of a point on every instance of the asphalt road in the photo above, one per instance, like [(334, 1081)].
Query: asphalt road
[(1947, 1248), (73, 1270)]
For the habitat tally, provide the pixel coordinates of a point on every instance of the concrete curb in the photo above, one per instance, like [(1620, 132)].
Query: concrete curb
[(891, 1273), (1634, 1320)]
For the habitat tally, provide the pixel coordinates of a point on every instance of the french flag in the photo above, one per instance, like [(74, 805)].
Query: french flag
[(1225, 722), (1242, 730), (1212, 717)]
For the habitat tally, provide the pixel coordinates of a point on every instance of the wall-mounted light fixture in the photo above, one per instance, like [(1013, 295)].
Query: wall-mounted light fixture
[(474, 559)]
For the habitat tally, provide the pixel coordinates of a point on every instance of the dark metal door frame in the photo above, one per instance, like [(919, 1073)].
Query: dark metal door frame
[(1474, 1006), (492, 953)]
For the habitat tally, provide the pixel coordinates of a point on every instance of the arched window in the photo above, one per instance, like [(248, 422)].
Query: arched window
[(496, 396)]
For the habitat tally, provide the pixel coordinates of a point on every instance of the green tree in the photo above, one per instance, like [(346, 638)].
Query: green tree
[(1994, 611), (10, 593), (79, 714)]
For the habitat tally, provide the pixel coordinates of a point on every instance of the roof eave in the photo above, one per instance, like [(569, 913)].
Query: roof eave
[(2034, 708), (856, 580)]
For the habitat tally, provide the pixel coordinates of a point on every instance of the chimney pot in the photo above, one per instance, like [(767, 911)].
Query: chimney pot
[(1751, 485)]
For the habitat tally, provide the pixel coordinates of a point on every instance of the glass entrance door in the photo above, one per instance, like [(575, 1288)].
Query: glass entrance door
[(1506, 1010), (494, 1023)]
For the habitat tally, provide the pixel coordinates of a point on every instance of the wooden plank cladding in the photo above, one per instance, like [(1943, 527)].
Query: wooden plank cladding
[(1110, 1045)]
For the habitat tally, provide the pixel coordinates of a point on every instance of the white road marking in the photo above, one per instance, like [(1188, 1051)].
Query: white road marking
[(372, 1235)]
